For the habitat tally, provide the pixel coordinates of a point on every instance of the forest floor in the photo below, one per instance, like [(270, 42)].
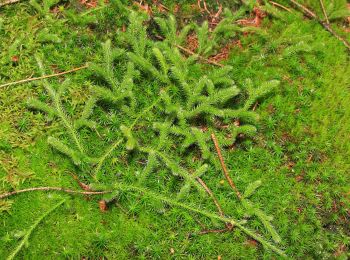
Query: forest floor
[(300, 152)]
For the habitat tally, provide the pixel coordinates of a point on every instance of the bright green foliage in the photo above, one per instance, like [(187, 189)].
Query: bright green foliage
[(72, 126), (44, 8), (5, 206), (131, 142), (25, 240), (195, 105), (253, 210), (208, 41), (192, 103), (251, 188), (117, 90), (305, 124), (176, 170), (335, 9)]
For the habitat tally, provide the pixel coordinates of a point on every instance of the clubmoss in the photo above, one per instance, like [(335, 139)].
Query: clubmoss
[(300, 152)]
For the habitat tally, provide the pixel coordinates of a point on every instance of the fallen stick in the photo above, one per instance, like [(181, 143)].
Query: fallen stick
[(8, 194), (324, 11), (280, 6), (158, 196), (200, 57), (42, 77), (223, 166), (221, 213), (8, 2), (310, 14), (210, 231), (80, 183), (229, 226), (189, 52)]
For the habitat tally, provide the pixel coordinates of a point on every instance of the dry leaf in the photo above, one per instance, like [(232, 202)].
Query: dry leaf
[(103, 205)]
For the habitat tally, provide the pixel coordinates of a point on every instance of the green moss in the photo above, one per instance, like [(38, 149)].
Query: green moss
[(300, 153)]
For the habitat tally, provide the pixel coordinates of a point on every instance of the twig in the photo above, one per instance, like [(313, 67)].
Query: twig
[(80, 183), (161, 6), (25, 239), (8, 2), (204, 4), (204, 232), (216, 202), (189, 52), (209, 231), (5, 195), (232, 184), (307, 12), (255, 105), (324, 11), (238, 224), (42, 77), (122, 209), (200, 57), (280, 6), (217, 14)]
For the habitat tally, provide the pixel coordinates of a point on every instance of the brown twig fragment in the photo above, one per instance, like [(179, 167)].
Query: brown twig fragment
[(227, 176), (280, 6), (216, 202), (210, 193), (304, 9), (5, 195), (324, 11), (310, 14), (189, 52), (42, 77), (204, 5), (214, 17), (8, 2), (208, 231), (229, 226), (80, 183)]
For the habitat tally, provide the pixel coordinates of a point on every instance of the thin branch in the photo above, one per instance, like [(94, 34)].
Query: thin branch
[(280, 6), (324, 11), (204, 4), (232, 184), (80, 183), (8, 2), (229, 226), (304, 9), (5, 195), (189, 52), (42, 77), (238, 224), (211, 194), (209, 231), (307, 12)]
